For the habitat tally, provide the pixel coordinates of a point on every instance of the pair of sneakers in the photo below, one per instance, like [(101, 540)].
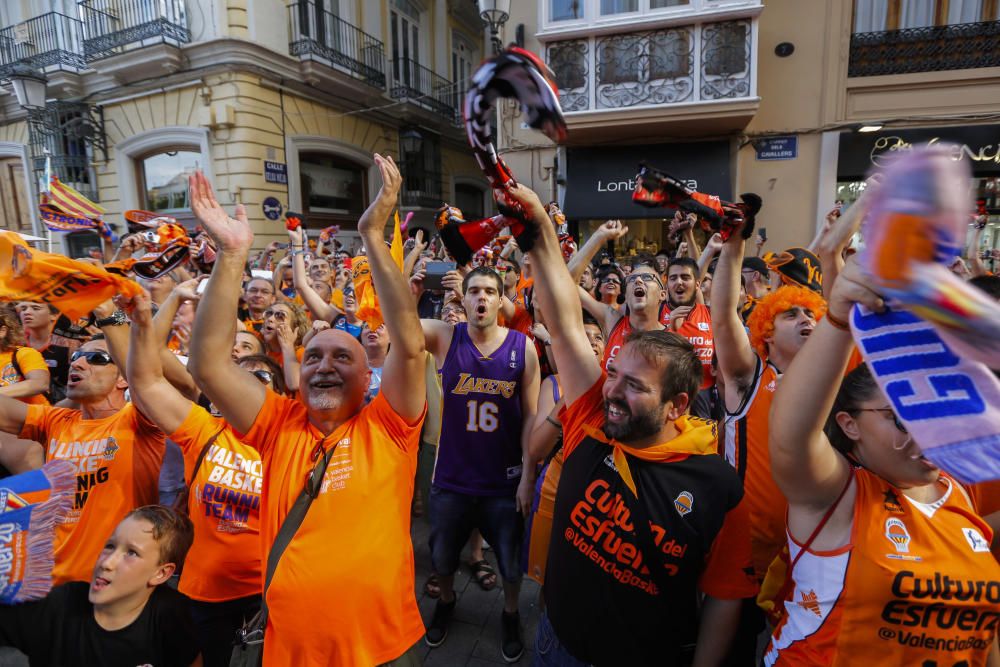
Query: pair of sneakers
[(511, 646)]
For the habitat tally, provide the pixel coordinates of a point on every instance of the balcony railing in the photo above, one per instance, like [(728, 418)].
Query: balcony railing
[(111, 26), (930, 49), (318, 32), (415, 83), (51, 40), (712, 61)]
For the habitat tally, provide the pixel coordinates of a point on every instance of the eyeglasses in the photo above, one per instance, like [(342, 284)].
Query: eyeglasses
[(644, 277), (895, 418), (265, 377), (93, 357)]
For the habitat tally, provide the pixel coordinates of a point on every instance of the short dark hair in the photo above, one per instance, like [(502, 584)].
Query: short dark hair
[(482, 271), (857, 387), (683, 369), (989, 284), (172, 531), (590, 319), (644, 259), (272, 365), (513, 262), (684, 261)]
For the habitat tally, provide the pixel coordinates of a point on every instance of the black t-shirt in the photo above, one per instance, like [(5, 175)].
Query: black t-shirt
[(606, 605), (60, 631)]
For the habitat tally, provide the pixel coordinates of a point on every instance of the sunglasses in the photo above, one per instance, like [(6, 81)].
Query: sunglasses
[(93, 357), (895, 418), (613, 281), (279, 315), (265, 377)]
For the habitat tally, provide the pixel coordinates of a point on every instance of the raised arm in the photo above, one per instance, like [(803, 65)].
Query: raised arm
[(320, 309), (732, 345), (235, 392), (150, 391), (612, 230), (12, 415), (556, 293), (116, 335), (403, 374), (705, 260), (163, 321), (807, 469)]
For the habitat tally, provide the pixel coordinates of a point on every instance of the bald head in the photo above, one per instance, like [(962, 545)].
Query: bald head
[(335, 337)]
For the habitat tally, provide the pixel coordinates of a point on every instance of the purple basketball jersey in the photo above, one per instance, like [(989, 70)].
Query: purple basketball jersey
[(480, 448)]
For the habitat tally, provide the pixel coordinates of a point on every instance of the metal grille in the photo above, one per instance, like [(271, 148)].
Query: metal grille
[(415, 83), (930, 49), (68, 133), (52, 40), (111, 26), (645, 68), (321, 33)]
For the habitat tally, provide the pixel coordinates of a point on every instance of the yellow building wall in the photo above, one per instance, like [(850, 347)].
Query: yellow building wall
[(15, 132)]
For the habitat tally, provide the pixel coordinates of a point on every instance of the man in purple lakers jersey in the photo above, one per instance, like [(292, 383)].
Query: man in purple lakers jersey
[(483, 477)]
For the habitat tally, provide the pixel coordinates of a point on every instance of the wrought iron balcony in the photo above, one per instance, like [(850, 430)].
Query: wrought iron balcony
[(318, 32), (49, 41), (694, 63), (930, 49), (418, 85), (112, 26)]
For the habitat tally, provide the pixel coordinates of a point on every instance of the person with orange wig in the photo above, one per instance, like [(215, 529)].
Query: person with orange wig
[(750, 368)]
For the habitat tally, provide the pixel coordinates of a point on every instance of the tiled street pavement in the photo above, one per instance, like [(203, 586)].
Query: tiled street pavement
[(474, 636)]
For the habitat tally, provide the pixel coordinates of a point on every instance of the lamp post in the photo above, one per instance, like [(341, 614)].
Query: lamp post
[(411, 141), (495, 13)]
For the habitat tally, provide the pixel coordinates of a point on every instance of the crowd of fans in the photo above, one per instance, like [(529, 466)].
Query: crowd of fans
[(685, 449)]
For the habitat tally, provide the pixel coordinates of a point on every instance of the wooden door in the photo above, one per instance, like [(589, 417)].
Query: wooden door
[(15, 211)]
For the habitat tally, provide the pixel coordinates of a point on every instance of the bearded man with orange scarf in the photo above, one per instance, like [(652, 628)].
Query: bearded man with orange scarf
[(647, 516)]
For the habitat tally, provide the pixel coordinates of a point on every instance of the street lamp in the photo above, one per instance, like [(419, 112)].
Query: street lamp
[(29, 86), (495, 13), (411, 141)]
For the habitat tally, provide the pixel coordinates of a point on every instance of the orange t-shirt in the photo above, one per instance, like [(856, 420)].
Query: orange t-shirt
[(224, 504), (349, 568), (117, 461), (280, 358), (745, 447), (914, 586), (29, 359), (697, 328)]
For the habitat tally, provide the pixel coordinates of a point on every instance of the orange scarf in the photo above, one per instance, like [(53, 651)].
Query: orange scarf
[(75, 288), (696, 436), (364, 290)]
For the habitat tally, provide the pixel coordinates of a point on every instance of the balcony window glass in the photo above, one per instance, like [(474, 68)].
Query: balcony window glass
[(568, 63), (726, 53), (669, 54), (165, 179), (422, 172), (333, 188), (663, 4), (965, 11), (566, 10), (870, 15), (916, 13), (619, 6), (618, 59)]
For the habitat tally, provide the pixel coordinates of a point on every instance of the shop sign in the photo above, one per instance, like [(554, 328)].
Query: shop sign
[(777, 148), (978, 146), (275, 172), (600, 180)]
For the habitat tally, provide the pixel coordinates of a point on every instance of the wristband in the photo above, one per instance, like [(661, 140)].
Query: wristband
[(836, 322), (554, 422)]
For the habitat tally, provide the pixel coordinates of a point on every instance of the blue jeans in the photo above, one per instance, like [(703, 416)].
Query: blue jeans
[(453, 516), (548, 651)]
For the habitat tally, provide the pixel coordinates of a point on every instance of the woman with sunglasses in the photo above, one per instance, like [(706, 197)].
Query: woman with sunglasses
[(887, 555), (222, 574)]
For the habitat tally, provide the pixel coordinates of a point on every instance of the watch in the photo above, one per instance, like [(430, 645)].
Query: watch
[(116, 319)]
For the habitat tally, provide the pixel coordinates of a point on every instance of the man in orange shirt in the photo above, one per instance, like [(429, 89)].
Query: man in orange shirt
[(342, 593), (688, 317), (116, 450)]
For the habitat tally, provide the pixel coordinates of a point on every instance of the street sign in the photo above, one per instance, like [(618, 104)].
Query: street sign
[(777, 148), (272, 208), (275, 172)]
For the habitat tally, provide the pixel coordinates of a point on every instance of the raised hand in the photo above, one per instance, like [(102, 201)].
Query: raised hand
[(139, 308), (376, 216), (229, 234), (188, 290), (612, 230), (530, 202)]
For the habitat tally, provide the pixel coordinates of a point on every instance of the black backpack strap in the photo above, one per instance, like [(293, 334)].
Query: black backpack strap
[(293, 520)]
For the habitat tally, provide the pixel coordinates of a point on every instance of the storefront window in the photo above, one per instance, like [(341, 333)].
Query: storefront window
[(165, 179), (333, 189)]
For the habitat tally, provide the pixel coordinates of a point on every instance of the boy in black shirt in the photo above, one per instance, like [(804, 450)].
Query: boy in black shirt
[(124, 616)]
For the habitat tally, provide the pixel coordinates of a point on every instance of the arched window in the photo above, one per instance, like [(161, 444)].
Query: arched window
[(334, 190), (163, 180)]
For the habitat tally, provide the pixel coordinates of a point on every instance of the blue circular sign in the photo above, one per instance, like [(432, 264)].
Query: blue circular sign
[(272, 208)]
